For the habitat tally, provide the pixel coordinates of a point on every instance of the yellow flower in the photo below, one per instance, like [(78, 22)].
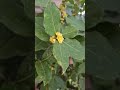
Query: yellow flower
[(58, 34), (64, 14), (52, 39), (62, 22), (62, 7), (62, 19), (59, 37)]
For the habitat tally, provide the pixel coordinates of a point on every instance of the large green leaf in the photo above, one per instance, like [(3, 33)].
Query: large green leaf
[(43, 71), (29, 8), (94, 14), (42, 3), (114, 40), (82, 83), (81, 68), (69, 32), (112, 6), (57, 83), (77, 23), (16, 46), (48, 55), (13, 17), (80, 39), (101, 59), (39, 29), (69, 48), (5, 35), (40, 45), (51, 19), (23, 70), (111, 10)]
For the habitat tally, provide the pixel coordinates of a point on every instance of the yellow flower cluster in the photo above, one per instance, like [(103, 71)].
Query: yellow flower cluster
[(63, 13), (58, 37), (52, 39)]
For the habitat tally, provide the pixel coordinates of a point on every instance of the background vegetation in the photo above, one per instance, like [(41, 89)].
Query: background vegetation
[(16, 45), (102, 44)]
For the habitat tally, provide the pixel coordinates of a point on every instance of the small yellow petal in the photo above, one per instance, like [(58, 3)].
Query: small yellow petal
[(52, 39), (64, 14), (62, 19), (60, 39), (62, 22), (62, 7), (58, 34)]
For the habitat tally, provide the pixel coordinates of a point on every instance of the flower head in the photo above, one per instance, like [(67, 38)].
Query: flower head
[(52, 39), (64, 14), (59, 37), (62, 7), (58, 34)]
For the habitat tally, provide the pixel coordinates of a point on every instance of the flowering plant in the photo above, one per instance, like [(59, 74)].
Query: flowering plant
[(59, 45)]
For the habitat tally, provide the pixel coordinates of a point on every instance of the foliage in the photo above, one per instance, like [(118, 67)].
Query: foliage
[(102, 44), (59, 45), (16, 45)]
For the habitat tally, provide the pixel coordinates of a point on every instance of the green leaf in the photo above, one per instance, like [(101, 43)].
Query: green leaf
[(5, 34), (42, 3), (38, 54), (69, 48), (81, 39), (15, 46), (48, 55), (112, 6), (29, 8), (51, 19), (82, 83), (43, 71), (23, 70), (39, 30), (94, 14), (102, 60), (57, 83), (81, 33), (114, 40), (110, 10), (81, 68), (69, 32), (14, 18), (40, 45), (77, 23), (37, 79)]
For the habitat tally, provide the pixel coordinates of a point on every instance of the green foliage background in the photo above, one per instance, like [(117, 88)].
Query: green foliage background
[(102, 44), (16, 45)]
